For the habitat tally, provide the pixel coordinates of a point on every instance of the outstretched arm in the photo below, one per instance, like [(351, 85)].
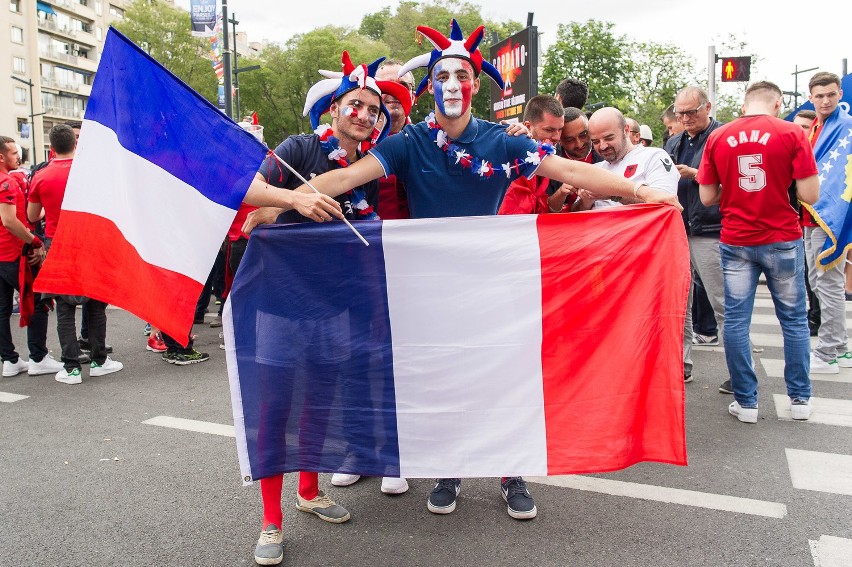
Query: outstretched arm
[(339, 181), (599, 181)]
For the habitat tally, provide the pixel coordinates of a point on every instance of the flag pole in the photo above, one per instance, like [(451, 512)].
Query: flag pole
[(309, 184)]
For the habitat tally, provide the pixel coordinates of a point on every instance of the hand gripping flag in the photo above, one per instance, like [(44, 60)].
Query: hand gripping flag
[(158, 176), (459, 347), (833, 153)]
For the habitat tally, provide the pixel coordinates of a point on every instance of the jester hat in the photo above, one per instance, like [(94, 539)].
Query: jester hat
[(455, 46), (325, 92)]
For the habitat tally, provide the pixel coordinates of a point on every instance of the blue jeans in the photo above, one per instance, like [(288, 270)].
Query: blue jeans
[(783, 265)]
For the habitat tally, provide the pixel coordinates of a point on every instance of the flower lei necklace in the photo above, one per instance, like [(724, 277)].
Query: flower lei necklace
[(482, 167), (331, 146)]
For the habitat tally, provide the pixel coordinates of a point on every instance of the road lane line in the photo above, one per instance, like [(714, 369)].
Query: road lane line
[(669, 495), (830, 551), (774, 368), (191, 425), (821, 472), (8, 398)]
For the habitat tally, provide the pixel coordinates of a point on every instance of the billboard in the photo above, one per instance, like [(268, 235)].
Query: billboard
[(516, 59)]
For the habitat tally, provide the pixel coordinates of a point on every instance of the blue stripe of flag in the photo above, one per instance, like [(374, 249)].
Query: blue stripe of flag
[(292, 329), (158, 117)]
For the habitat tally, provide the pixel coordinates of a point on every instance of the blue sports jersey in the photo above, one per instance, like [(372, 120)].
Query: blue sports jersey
[(439, 187)]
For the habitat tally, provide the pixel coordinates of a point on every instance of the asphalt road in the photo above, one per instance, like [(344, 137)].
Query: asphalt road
[(83, 481)]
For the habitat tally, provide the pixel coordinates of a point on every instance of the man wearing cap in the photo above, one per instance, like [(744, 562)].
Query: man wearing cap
[(353, 99), (646, 137), (453, 164)]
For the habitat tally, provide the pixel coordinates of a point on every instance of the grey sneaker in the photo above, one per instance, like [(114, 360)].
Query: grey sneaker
[(270, 546), (520, 504), (324, 508)]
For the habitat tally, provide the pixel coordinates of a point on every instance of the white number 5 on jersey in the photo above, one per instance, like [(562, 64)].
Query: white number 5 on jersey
[(752, 176)]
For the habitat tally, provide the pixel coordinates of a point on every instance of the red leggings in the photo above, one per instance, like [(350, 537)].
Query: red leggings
[(270, 495)]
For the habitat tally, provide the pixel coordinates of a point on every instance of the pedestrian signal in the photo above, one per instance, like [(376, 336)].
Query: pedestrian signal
[(736, 69)]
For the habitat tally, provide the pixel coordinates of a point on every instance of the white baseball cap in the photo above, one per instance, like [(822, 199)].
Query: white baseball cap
[(645, 132)]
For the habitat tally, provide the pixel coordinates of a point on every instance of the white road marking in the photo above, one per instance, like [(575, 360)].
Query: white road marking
[(822, 472), (775, 369), (771, 319), (670, 495), (9, 398), (191, 425), (772, 339), (766, 301), (830, 551), (825, 410)]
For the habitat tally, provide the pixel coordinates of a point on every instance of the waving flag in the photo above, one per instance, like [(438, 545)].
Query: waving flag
[(833, 153), (485, 346), (158, 177)]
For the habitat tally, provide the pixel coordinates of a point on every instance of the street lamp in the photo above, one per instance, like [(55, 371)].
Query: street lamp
[(32, 115)]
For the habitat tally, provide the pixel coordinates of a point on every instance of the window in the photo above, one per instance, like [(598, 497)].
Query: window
[(15, 6), (17, 35), (99, 8), (99, 33), (20, 95), (116, 12), (19, 65)]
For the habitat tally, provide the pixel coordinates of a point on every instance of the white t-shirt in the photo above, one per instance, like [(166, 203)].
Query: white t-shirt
[(651, 166)]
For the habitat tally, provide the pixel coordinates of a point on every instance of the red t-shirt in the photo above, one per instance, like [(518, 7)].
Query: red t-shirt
[(11, 193), (48, 188), (755, 159), (236, 230)]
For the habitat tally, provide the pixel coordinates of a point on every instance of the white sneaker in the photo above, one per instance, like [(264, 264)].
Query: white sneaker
[(340, 479), (746, 415), (800, 409), (845, 360), (819, 366), (47, 365), (108, 367), (14, 368), (72, 377), (394, 485)]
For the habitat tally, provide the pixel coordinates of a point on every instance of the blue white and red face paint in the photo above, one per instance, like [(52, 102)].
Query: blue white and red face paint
[(452, 95)]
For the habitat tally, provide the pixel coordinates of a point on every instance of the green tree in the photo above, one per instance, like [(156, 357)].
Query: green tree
[(164, 32), (278, 90), (590, 52)]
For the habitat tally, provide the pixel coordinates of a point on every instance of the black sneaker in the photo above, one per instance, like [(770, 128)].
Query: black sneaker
[(169, 357), (85, 346), (190, 357), (726, 388), (521, 505), (687, 378), (443, 497)]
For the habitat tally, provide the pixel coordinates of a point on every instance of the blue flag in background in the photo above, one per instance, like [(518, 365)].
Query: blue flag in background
[(833, 153)]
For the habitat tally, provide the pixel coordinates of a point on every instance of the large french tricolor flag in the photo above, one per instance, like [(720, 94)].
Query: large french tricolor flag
[(461, 347), (157, 179)]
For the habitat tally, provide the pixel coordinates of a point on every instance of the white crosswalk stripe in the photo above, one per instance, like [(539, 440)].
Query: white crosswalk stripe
[(8, 398), (825, 410), (774, 368), (669, 495), (822, 472), (830, 551), (191, 425)]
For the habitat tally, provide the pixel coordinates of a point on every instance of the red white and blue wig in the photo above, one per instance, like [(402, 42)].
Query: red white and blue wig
[(321, 96), (454, 46)]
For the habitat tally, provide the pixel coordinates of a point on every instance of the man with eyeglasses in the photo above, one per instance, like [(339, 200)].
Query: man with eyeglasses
[(635, 131), (703, 224), (831, 351)]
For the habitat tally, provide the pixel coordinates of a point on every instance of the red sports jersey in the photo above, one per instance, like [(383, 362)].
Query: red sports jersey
[(11, 193), (755, 159), (48, 188)]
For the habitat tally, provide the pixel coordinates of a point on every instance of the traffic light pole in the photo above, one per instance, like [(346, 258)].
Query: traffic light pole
[(226, 59), (711, 79)]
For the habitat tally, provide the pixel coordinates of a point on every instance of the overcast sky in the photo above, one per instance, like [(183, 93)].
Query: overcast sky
[(782, 38)]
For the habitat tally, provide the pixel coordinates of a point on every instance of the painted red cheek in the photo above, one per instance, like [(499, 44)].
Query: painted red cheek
[(466, 90)]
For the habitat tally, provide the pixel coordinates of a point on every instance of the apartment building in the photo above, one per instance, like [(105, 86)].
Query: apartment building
[(50, 51)]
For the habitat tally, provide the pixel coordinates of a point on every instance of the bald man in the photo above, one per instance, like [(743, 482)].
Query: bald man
[(610, 134)]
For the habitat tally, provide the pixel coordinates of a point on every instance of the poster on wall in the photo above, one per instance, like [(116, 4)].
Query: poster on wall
[(516, 58)]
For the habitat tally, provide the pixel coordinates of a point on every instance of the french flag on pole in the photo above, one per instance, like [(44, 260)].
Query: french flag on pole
[(461, 347), (157, 179)]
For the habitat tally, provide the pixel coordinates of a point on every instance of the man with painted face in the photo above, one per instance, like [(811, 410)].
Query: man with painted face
[(353, 99), (453, 164)]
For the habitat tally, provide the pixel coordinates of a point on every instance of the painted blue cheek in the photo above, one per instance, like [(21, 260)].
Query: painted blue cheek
[(439, 95)]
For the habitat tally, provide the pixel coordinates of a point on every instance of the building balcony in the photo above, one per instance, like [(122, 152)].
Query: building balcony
[(76, 88), (64, 113), (80, 62), (78, 36), (74, 7)]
